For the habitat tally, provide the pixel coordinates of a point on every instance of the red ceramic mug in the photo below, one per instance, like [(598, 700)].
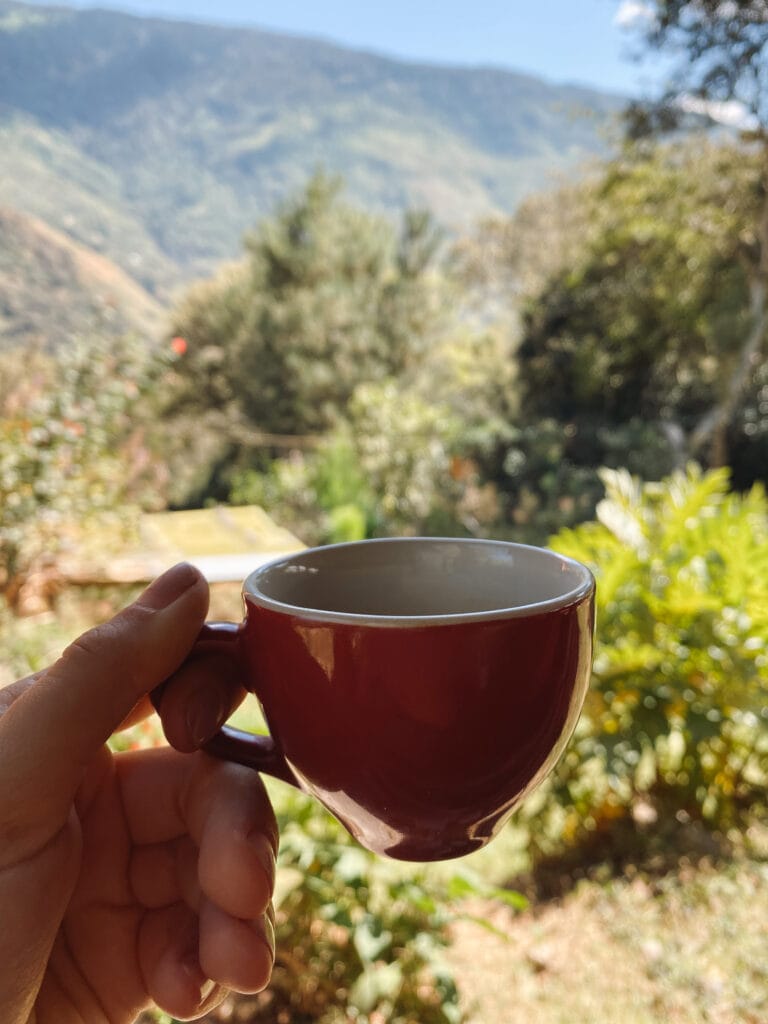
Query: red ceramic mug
[(419, 688)]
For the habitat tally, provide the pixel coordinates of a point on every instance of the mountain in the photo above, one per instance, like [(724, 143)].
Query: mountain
[(52, 288), (159, 143)]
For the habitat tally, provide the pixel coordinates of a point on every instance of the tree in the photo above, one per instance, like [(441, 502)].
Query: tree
[(721, 71), (327, 297), (646, 322), (507, 259), (647, 325), (628, 350), (411, 454)]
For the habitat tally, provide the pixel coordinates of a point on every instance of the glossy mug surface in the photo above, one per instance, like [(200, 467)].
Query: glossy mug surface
[(419, 688)]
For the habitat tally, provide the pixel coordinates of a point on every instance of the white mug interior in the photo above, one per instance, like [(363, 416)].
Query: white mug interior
[(419, 580)]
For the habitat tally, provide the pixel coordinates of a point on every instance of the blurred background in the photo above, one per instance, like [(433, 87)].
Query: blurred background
[(285, 274)]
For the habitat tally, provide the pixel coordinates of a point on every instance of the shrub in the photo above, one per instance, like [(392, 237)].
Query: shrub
[(386, 471), (359, 938), (74, 450), (676, 723), (322, 495)]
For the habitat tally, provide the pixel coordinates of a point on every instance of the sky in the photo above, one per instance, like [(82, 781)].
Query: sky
[(583, 41)]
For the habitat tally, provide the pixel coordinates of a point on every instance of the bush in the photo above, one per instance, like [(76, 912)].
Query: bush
[(386, 471), (322, 496), (73, 450), (676, 723), (550, 475), (359, 938), (411, 455)]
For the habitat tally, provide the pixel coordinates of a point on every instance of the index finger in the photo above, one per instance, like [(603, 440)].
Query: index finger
[(199, 698)]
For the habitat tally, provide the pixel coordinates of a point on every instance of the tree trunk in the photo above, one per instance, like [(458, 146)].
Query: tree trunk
[(712, 429)]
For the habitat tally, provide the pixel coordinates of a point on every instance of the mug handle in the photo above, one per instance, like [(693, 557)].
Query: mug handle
[(229, 744)]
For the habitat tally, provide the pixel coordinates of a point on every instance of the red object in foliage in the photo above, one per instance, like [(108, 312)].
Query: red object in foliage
[(179, 345)]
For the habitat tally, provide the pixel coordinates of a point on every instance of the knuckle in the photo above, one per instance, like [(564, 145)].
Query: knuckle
[(106, 643), (92, 644)]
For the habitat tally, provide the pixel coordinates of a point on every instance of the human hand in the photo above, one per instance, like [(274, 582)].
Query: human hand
[(128, 879)]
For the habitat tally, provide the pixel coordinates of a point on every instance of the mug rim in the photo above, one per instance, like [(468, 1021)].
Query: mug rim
[(577, 594)]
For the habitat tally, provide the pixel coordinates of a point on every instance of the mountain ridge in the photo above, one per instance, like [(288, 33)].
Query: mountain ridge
[(159, 142), (40, 266)]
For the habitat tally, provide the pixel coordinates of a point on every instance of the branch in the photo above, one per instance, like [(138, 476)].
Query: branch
[(717, 418)]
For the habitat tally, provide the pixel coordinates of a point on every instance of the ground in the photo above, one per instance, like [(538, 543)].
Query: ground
[(690, 948)]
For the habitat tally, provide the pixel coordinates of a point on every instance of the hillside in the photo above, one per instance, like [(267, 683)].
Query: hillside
[(52, 288), (159, 143)]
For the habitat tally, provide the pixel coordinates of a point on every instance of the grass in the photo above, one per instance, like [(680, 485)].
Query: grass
[(689, 948)]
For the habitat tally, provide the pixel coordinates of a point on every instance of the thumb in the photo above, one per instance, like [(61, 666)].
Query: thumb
[(53, 731)]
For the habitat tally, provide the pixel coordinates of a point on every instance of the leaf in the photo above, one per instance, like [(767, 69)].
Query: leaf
[(370, 939), (462, 887), (486, 925), (352, 866), (378, 982), (511, 898), (465, 885), (287, 881)]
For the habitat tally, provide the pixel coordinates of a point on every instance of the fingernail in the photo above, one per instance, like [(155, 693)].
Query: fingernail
[(265, 855), (206, 990), (169, 587), (203, 722), (266, 929), (204, 986)]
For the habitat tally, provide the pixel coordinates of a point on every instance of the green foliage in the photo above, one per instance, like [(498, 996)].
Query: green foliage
[(634, 354), (719, 58), (328, 297), (73, 449), (403, 445), (400, 463), (359, 938), (323, 495), (550, 476), (648, 321), (676, 722), (385, 471), (408, 454)]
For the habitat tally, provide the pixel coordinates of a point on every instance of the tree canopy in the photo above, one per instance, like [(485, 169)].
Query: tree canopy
[(328, 296), (720, 69)]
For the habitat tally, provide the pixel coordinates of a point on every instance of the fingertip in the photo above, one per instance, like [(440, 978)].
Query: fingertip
[(239, 954), (199, 699), (170, 962), (170, 586), (237, 870)]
